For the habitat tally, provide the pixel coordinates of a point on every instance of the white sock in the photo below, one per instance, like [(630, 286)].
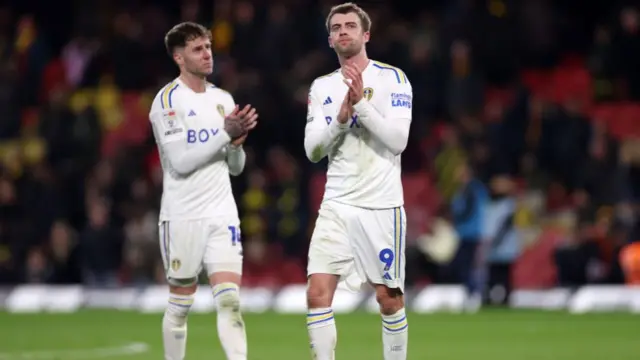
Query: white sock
[(231, 329), (174, 326), (395, 335), (322, 333)]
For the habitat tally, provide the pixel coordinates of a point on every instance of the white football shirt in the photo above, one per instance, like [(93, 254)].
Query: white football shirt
[(193, 188), (364, 154)]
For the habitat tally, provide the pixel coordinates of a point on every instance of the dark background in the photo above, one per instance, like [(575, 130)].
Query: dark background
[(537, 98)]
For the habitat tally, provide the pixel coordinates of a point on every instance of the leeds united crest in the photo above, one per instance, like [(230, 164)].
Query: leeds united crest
[(220, 109), (175, 264), (368, 93)]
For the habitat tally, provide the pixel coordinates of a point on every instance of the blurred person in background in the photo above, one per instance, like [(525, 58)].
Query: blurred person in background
[(65, 254), (10, 230), (468, 207), (434, 250), (502, 244), (630, 260), (141, 247), (286, 193), (37, 269), (101, 245), (579, 258)]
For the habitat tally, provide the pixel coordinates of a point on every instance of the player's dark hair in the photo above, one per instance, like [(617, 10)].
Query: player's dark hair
[(182, 33), (347, 8)]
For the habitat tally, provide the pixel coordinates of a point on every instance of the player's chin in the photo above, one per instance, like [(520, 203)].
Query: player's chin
[(206, 70), (347, 51)]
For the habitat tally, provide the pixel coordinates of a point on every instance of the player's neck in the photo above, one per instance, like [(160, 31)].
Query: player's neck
[(196, 83), (361, 60)]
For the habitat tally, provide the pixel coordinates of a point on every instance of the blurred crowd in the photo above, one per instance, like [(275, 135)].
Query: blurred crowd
[(523, 185)]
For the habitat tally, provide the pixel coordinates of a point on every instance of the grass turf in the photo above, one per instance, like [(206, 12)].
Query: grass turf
[(489, 335)]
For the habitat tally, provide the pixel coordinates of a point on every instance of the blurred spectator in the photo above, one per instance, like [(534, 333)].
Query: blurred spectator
[(141, 251), (65, 257), (289, 213), (468, 212), (502, 241), (37, 268), (101, 244), (433, 251), (627, 52), (630, 260), (578, 258)]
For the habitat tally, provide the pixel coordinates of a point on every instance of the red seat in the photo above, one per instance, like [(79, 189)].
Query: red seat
[(538, 82), (622, 119), (535, 268), (571, 83)]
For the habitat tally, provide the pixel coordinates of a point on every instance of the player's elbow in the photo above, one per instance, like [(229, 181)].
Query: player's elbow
[(397, 143), (314, 153), (181, 168), (396, 146), (397, 149), (235, 171)]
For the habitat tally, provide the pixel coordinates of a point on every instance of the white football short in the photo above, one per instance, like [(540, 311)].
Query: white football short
[(360, 245), (189, 245)]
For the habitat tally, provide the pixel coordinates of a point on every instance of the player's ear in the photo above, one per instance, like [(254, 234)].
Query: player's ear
[(366, 36), (178, 57), (330, 42)]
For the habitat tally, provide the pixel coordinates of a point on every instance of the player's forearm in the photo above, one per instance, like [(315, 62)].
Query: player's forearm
[(318, 142), (185, 160), (393, 133), (236, 159)]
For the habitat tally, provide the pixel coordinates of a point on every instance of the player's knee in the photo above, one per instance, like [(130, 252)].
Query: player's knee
[(320, 290), (179, 306), (227, 297), (183, 286), (318, 296), (180, 298), (390, 300)]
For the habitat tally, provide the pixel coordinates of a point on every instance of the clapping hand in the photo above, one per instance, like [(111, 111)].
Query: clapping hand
[(354, 81), (239, 123)]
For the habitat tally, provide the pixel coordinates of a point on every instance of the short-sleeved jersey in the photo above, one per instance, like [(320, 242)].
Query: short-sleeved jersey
[(180, 114), (362, 171)]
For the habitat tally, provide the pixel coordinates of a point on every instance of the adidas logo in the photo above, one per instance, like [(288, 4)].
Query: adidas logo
[(327, 101), (387, 276), (192, 113)]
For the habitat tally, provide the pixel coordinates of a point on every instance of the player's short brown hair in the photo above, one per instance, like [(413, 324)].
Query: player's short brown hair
[(182, 33), (346, 8)]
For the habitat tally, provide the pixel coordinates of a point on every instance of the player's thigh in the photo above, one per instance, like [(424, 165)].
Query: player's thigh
[(182, 244), (329, 250), (378, 240), (223, 253)]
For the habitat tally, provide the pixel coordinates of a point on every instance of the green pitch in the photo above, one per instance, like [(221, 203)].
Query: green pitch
[(490, 335)]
